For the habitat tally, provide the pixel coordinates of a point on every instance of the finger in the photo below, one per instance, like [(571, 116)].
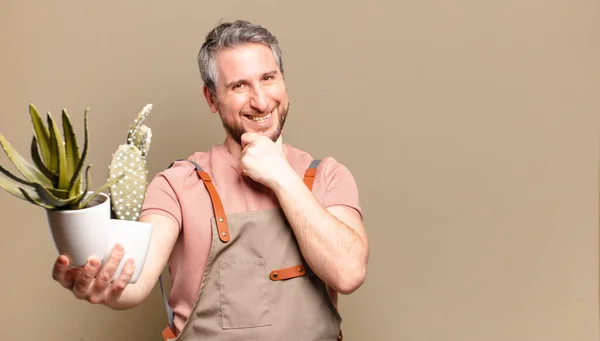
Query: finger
[(248, 138), (72, 275), (60, 270), (117, 288), (86, 277), (108, 270)]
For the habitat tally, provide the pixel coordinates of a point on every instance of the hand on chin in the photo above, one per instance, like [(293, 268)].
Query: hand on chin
[(263, 160)]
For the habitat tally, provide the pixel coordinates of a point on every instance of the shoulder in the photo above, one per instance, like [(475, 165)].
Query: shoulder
[(296, 157), (328, 168), (180, 171), (177, 172)]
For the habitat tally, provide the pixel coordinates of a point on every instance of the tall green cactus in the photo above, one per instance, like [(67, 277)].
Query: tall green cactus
[(55, 180), (127, 195)]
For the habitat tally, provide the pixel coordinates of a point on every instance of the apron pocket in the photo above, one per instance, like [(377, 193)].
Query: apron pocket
[(244, 290)]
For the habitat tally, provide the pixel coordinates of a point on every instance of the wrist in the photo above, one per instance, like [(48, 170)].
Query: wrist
[(285, 182)]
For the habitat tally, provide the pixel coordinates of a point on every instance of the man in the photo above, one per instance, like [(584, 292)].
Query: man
[(254, 252)]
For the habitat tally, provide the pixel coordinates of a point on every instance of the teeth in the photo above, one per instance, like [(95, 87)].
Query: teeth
[(260, 119)]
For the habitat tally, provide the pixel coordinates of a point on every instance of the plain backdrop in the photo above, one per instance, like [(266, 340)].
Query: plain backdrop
[(471, 128)]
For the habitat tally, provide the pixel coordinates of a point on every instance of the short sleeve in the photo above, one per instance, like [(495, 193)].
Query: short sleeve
[(161, 194), (338, 185)]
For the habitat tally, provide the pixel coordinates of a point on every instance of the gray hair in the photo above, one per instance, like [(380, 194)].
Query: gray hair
[(233, 34)]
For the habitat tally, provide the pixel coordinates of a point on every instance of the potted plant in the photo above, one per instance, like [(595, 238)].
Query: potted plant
[(79, 218)]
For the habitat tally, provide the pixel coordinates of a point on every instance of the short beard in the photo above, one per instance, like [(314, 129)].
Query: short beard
[(237, 132)]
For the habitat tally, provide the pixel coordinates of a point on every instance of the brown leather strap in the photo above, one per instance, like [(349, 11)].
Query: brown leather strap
[(309, 177), (287, 273), (220, 217), (168, 333)]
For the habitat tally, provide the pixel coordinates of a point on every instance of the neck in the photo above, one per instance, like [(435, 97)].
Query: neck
[(233, 147)]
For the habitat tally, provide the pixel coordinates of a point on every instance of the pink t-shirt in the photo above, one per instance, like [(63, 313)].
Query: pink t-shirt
[(178, 193)]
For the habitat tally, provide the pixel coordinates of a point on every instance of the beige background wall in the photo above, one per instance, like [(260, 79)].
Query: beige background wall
[(471, 128)]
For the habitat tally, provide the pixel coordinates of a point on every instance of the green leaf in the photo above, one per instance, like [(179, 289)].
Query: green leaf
[(41, 133), (51, 200), (75, 184), (71, 148), (14, 177), (53, 146), (12, 188), (37, 160), (56, 138), (59, 193), (35, 200), (56, 192), (29, 171), (86, 186)]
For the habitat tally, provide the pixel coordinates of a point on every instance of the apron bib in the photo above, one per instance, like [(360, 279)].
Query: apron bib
[(256, 285)]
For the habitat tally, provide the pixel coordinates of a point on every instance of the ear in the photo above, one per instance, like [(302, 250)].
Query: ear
[(210, 99)]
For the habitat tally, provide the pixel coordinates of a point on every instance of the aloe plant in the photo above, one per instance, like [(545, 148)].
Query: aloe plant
[(55, 180), (127, 195)]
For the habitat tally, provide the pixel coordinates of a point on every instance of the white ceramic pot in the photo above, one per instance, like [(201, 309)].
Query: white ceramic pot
[(134, 236), (81, 234), (90, 232)]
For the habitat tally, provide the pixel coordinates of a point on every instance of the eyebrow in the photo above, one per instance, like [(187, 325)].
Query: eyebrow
[(268, 73)]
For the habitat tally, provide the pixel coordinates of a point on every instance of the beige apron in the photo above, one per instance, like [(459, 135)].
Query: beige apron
[(256, 285)]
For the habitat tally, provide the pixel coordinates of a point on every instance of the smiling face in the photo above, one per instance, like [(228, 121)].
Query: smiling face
[(250, 92)]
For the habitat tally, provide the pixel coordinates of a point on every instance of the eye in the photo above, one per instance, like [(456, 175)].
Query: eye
[(237, 86), (268, 77)]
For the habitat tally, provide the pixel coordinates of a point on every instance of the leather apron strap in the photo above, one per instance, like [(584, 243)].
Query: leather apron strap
[(221, 219)]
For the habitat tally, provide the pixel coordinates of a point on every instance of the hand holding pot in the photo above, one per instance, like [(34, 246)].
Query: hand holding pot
[(92, 282)]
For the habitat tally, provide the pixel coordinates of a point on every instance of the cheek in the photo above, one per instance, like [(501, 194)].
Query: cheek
[(232, 105), (278, 93)]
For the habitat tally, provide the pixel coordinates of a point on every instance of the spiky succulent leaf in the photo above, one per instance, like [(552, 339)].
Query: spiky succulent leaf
[(76, 183), (41, 134), (56, 192), (53, 146), (87, 183), (14, 177), (49, 195), (11, 187), (59, 193), (59, 147), (29, 171), (51, 200), (35, 200), (37, 160), (71, 147)]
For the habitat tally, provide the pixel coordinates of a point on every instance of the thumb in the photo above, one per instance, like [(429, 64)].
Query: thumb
[(247, 138)]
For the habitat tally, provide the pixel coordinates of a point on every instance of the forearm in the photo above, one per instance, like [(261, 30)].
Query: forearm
[(332, 249), (164, 236)]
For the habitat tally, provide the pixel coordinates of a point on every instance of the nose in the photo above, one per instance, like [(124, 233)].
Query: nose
[(258, 100)]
